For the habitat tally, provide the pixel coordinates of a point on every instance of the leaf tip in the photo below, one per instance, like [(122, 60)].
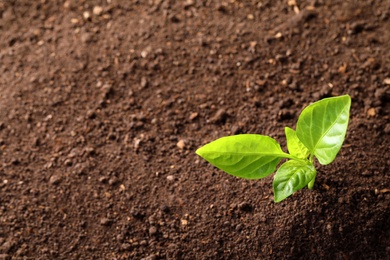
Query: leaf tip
[(347, 98), (279, 196), (199, 151), (277, 200)]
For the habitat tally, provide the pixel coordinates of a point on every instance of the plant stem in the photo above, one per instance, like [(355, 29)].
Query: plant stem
[(292, 157), (311, 158)]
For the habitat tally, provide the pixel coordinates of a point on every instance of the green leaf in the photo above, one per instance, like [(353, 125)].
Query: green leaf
[(311, 183), (322, 127), (294, 145), (248, 156), (290, 177)]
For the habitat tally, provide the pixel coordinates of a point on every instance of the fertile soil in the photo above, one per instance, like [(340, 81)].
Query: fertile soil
[(103, 104)]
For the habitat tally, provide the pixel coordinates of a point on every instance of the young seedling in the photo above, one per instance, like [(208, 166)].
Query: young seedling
[(320, 132)]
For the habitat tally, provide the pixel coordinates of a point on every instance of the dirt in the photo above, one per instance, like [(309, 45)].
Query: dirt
[(103, 104)]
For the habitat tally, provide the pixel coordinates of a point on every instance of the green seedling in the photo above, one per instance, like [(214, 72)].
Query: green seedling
[(320, 132)]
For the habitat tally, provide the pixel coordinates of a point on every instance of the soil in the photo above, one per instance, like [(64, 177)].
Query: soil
[(103, 104)]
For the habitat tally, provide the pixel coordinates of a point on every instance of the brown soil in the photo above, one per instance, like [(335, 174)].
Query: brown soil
[(103, 108)]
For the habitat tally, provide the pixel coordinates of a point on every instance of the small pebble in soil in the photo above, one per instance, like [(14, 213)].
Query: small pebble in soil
[(219, 117), (367, 173), (152, 220), (152, 230), (120, 237), (329, 229), (87, 15), (170, 178), (97, 10), (239, 227), (180, 144), (125, 246), (68, 162), (371, 112), (144, 82), (91, 114), (113, 180), (281, 58), (55, 179), (105, 221), (193, 116), (103, 179), (188, 3)]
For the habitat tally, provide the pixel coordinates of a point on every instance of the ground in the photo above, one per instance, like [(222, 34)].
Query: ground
[(103, 104)]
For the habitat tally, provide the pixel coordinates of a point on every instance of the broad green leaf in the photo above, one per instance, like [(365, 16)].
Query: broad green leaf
[(322, 127), (290, 177), (294, 145), (248, 156)]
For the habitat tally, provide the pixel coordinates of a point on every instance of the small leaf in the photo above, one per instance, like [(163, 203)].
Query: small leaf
[(248, 156), (311, 183), (290, 177), (294, 145), (322, 127)]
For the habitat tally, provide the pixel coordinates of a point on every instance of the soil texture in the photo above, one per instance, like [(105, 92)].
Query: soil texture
[(104, 102)]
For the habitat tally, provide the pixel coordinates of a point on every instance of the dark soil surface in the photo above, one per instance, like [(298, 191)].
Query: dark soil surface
[(103, 104)]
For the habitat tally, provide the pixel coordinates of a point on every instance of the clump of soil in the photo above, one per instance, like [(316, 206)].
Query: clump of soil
[(103, 104)]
